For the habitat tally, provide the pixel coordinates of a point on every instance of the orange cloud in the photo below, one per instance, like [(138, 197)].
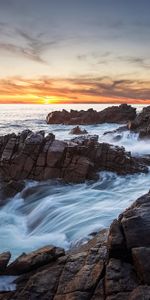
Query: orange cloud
[(46, 90)]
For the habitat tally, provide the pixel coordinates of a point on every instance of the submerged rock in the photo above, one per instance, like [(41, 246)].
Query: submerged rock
[(77, 131), (113, 114), (39, 157)]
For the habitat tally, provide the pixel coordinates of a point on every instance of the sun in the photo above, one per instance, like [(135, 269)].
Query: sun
[(49, 100)]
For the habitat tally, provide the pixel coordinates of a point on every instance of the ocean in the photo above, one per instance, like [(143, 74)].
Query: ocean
[(65, 215)]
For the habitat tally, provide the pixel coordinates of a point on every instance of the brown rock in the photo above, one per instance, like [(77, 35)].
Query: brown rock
[(37, 157), (141, 123), (114, 114), (77, 130), (28, 262), (4, 260)]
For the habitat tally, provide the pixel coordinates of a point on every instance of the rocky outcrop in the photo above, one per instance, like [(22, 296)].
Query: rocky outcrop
[(35, 156), (4, 260), (141, 124), (28, 262), (114, 114), (114, 265), (77, 131)]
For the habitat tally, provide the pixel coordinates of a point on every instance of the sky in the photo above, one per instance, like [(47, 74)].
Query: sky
[(66, 51)]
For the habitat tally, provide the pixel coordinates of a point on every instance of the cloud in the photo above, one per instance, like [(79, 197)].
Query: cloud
[(31, 47), (137, 61), (77, 88)]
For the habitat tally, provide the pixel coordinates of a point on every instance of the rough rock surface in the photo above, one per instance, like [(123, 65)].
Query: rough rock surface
[(141, 124), (4, 260), (33, 260), (77, 131), (114, 265), (114, 114), (35, 156)]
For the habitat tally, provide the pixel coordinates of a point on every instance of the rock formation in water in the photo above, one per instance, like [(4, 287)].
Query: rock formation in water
[(35, 156), (114, 114), (141, 124), (77, 131), (114, 265)]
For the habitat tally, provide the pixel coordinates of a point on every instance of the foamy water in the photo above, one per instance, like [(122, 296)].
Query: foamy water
[(60, 214)]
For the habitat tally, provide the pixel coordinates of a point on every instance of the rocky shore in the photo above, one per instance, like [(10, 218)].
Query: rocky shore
[(141, 124), (115, 114), (37, 156), (114, 265)]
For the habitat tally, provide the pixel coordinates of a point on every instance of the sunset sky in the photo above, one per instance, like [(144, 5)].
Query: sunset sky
[(74, 51)]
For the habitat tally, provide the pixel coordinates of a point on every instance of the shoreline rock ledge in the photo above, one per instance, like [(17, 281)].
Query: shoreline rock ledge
[(114, 265), (38, 157), (115, 114)]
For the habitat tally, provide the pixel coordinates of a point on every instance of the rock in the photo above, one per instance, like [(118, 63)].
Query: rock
[(4, 260), (97, 270), (141, 124), (116, 241), (77, 131), (10, 189), (73, 276), (39, 157), (114, 114), (120, 277), (28, 262), (118, 130), (135, 223), (140, 293), (85, 140), (141, 258)]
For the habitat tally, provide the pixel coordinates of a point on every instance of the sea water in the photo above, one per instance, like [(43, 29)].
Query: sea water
[(65, 215)]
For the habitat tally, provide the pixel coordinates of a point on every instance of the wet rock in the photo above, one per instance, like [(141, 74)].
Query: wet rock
[(114, 114), (86, 140), (118, 130), (39, 157), (141, 124), (73, 276), (4, 260), (97, 270), (28, 262), (77, 131), (10, 189)]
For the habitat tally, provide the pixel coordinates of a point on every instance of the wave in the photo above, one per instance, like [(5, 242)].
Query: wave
[(65, 215)]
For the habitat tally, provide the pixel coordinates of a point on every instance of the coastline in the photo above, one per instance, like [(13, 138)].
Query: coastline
[(89, 271)]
